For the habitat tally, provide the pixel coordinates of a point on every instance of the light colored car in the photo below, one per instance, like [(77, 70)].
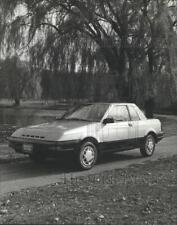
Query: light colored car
[(89, 130)]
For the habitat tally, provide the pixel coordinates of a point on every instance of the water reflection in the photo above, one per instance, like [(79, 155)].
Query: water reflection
[(21, 117)]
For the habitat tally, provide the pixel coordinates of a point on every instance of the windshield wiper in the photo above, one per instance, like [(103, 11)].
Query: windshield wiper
[(77, 119), (60, 118)]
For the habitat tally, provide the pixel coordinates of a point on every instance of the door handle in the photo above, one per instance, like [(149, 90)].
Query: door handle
[(130, 124)]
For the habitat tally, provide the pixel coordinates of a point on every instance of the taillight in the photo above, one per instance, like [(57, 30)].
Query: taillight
[(161, 127)]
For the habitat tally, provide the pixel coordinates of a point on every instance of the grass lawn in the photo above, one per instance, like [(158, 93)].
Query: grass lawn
[(140, 194)]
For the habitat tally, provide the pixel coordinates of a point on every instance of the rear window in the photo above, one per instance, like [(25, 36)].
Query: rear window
[(133, 114)]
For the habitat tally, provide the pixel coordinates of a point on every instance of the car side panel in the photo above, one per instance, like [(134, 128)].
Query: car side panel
[(146, 126), (134, 139)]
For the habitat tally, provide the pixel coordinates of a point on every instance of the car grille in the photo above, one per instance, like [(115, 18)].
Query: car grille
[(32, 136)]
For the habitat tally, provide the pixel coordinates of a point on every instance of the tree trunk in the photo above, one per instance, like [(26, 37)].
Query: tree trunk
[(149, 107), (150, 99), (17, 101)]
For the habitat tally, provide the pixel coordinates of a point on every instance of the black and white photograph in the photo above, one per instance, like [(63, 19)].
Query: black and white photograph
[(88, 112)]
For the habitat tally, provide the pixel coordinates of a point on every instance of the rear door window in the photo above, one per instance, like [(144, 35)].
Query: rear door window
[(133, 114)]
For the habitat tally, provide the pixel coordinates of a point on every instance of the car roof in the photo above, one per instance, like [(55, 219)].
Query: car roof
[(123, 103), (107, 103)]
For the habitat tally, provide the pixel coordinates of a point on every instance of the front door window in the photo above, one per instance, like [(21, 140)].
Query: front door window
[(119, 114), (119, 130)]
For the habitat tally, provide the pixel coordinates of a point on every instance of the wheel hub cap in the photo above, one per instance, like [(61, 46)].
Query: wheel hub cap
[(150, 145), (88, 156)]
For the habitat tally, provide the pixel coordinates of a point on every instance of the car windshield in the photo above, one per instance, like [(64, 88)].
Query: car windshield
[(91, 112)]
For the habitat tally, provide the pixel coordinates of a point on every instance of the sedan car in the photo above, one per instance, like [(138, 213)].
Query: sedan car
[(89, 130)]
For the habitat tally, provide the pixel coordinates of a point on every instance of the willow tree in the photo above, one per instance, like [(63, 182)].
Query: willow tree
[(125, 32), (15, 78)]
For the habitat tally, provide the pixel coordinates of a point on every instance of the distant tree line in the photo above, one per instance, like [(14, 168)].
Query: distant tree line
[(19, 81), (77, 86), (98, 87)]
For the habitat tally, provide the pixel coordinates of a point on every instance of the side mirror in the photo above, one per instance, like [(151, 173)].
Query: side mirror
[(108, 120)]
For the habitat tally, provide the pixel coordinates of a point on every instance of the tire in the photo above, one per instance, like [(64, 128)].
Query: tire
[(149, 146), (87, 156), (37, 157)]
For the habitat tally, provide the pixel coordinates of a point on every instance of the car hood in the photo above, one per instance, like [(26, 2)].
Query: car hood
[(61, 130)]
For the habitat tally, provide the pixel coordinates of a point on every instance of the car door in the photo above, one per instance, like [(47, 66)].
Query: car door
[(134, 124), (117, 134)]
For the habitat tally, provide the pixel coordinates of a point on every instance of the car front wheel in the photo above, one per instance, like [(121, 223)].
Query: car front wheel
[(87, 156), (148, 146)]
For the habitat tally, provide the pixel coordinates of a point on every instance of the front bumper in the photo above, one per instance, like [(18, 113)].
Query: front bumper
[(43, 145), (160, 136)]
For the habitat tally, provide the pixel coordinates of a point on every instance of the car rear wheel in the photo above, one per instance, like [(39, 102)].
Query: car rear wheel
[(87, 156), (149, 146)]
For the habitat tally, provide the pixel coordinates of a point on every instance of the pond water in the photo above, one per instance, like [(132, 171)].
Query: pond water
[(20, 117)]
